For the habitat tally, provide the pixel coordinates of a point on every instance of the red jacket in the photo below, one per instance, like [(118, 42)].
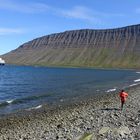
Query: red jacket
[(123, 96)]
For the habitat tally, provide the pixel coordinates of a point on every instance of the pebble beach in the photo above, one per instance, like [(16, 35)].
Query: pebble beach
[(97, 118)]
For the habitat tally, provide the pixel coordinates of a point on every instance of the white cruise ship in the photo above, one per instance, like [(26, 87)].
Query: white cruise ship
[(2, 62)]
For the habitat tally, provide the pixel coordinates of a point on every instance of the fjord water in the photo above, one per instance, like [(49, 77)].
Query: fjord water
[(24, 87)]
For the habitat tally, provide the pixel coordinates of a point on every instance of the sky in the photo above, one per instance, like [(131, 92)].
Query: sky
[(25, 20)]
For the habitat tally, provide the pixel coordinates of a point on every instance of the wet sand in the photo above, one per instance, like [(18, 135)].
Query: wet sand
[(97, 118)]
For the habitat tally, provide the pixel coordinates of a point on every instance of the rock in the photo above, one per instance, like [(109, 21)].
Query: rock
[(123, 131), (59, 126), (86, 136), (132, 125), (104, 130), (115, 114), (114, 132)]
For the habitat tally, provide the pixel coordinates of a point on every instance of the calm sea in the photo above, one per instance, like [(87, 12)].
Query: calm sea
[(27, 87)]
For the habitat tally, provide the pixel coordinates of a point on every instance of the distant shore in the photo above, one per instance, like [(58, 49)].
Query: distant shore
[(76, 67), (98, 118)]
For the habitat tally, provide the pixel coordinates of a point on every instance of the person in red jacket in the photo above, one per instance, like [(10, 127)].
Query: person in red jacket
[(123, 95)]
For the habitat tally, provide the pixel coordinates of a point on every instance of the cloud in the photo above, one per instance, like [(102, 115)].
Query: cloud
[(8, 31), (87, 14), (23, 7), (77, 12)]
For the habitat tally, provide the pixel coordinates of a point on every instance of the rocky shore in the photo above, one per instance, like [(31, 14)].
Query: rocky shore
[(94, 119)]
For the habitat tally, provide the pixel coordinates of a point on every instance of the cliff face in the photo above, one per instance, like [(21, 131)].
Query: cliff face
[(100, 48)]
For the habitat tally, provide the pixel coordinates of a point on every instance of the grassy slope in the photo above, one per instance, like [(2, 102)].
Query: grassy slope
[(75, 57)]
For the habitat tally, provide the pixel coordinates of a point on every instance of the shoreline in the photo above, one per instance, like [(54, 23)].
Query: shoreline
[(75, 67), (71, 121), (68, 103)]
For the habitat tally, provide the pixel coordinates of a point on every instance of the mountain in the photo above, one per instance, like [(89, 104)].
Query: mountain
[(117, 48)]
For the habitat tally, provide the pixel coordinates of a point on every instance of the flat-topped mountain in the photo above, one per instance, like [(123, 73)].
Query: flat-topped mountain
[(118, 48)]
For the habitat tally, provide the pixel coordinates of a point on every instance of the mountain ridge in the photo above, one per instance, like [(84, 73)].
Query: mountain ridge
[(117, 48)]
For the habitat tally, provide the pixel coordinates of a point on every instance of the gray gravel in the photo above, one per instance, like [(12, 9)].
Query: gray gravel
[(94, 119)]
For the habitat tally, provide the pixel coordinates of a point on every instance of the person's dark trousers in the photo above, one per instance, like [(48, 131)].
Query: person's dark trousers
[(122, 104)]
